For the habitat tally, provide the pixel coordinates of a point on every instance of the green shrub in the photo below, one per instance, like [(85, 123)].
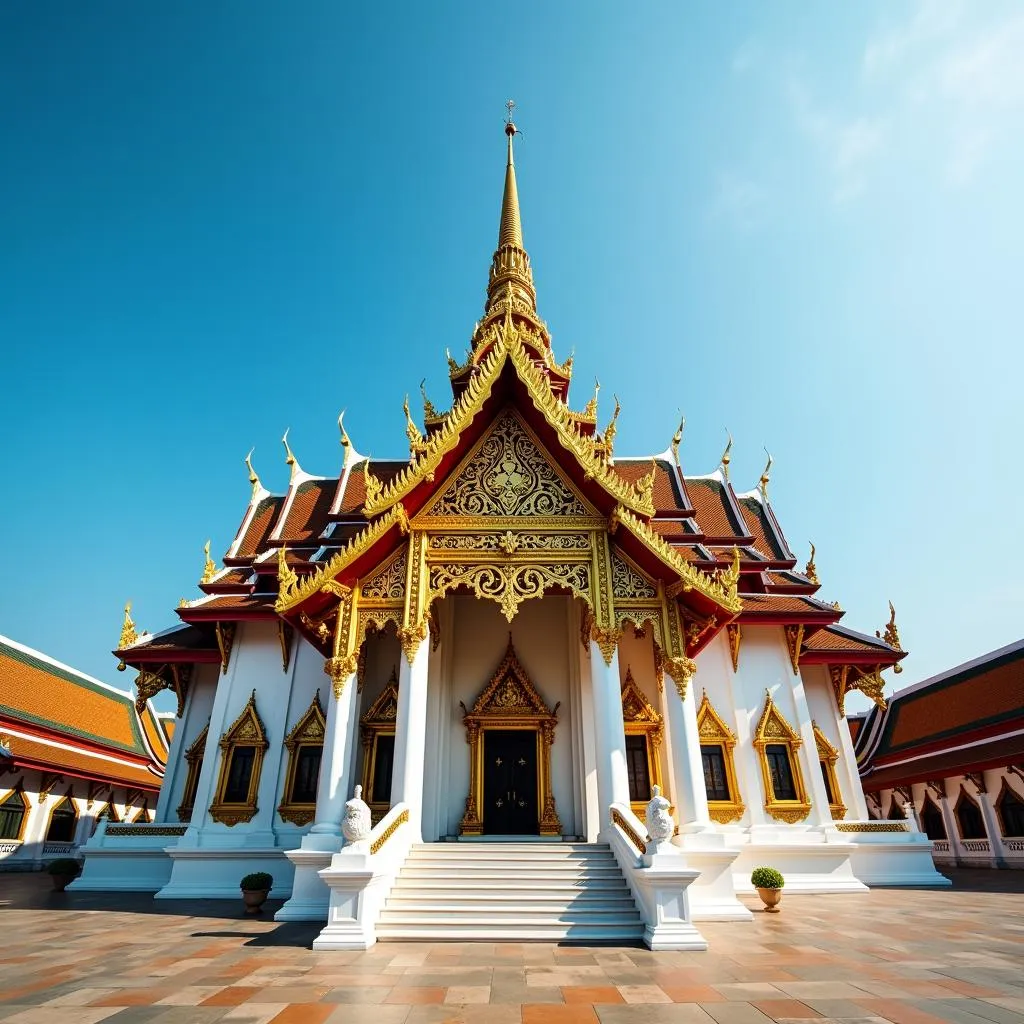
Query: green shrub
[(766, 878), (64, 866), (258, 881)]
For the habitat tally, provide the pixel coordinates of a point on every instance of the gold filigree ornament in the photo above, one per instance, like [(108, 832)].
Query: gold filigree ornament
[(892, 636), (412, 432), (287, 578), (129, 634), (410, 637), (341, 669), (810, 569)]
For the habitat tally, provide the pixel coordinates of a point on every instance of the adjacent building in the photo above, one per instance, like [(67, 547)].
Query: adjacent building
[(72, 749), (953, 747)]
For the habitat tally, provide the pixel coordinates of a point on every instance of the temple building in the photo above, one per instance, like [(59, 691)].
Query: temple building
[(488, 658), (952, 748), (72, 750)]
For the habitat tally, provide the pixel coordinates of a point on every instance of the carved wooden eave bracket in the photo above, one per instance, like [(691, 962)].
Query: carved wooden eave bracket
[(152, 680), (857, 677)]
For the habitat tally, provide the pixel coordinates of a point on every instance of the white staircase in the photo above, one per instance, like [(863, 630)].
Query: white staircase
[(511, 891)]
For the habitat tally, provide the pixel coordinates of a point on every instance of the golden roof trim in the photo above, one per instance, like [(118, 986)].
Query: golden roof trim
[(297, 591), (723, 594), (508, 345)]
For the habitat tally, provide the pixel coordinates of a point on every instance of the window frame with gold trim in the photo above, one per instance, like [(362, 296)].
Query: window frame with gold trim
[(774, 731), (828, 757), (18, 790), (194, 762), (1005, 789), (713, 732), (307, 734), (246, 731), (69, 799), (639, 718), (378, 722)]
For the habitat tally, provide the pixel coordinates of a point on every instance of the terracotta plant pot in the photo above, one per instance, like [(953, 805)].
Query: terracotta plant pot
[(254, 899), (61, 882), (770, 898)]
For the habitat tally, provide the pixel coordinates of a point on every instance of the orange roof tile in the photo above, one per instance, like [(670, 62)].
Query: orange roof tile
[(665, 494), (36, 690), (83, 762), (259, 528), (308, 511), (780, 603), (758, 527), (355, 489), (709, 501), (838, 638)]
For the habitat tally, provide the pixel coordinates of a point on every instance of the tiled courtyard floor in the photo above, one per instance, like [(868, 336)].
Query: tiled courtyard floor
[(905, 956)]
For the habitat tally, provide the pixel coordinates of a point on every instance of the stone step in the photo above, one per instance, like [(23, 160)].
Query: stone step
[(499, 908), (513, 918), (457, 889), (589, 934), (490, 873)]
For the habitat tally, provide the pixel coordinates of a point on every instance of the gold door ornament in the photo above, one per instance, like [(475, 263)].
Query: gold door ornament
[(510, 701)]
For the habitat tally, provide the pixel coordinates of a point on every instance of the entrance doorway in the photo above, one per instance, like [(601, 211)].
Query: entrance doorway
[(510, 782)]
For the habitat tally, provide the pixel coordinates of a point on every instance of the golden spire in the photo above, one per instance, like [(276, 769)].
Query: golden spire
[(129, 634), (289, 457), (762, 484), (727, 457), (287, 577), (210, 568), (429, 412), (345, 442), (591, 408), (253, 478), (810, 569), (411, 430), (891, 635), (510, 277)]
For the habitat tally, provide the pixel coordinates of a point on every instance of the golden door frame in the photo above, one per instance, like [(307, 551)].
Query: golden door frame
[(510, 701)]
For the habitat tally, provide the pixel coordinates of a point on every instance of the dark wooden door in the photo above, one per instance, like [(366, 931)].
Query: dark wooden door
[(510, 782)]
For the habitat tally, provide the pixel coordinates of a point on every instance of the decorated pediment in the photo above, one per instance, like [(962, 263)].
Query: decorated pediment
[(510, 693), (385, 708), (635, 706), (773, 728), (711, 726), (508, 475)]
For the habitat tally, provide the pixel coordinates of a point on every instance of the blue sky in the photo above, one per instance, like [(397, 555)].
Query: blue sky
[(800, 222)]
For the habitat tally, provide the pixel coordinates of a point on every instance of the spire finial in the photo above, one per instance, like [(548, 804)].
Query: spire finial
[(510, 231), (762, 484), (289, 456), (677, 438), (346, 441), (412, 431), (727, 456), (253, 478), (591, 408), (810, 569), (210, 567)]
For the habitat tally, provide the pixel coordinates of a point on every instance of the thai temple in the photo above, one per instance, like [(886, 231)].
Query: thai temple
[(516, 686)]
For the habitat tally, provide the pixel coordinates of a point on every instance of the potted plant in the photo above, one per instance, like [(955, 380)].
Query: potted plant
[(63, 871), (255, 887), (768, 883)]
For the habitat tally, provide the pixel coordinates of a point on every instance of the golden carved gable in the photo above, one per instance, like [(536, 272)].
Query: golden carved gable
[(510, 691), (385, 707), (773, 726), (509, 475), (635, 706)]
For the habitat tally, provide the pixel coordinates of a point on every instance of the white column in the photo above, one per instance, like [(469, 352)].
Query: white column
[(688, 790), (988, 814), (821, 811), (411, 736), (610, 732), (854, 791), (335, 782)]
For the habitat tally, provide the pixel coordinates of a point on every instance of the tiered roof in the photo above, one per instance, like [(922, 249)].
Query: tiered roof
[(967, 719), (692, 525), (56, 719)]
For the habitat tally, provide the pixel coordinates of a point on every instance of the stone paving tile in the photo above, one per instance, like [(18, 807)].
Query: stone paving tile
[(892, 956)]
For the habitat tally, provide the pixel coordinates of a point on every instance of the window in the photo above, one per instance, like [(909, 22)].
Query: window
[(715, 782), (637, 769), (305, 746), (13, 813), (378, 733), (194, 760), (63, 820), (717, 742), (383, 767), (242, 749), (1011, 812), (969, 819), (828, 757), (781, 771), (778, 744), (644, 731), (932, 822)]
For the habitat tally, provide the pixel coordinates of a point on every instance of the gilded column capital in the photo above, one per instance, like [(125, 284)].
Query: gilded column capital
[(607, 638), (681, 670), (340, 670), (410, 637)]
